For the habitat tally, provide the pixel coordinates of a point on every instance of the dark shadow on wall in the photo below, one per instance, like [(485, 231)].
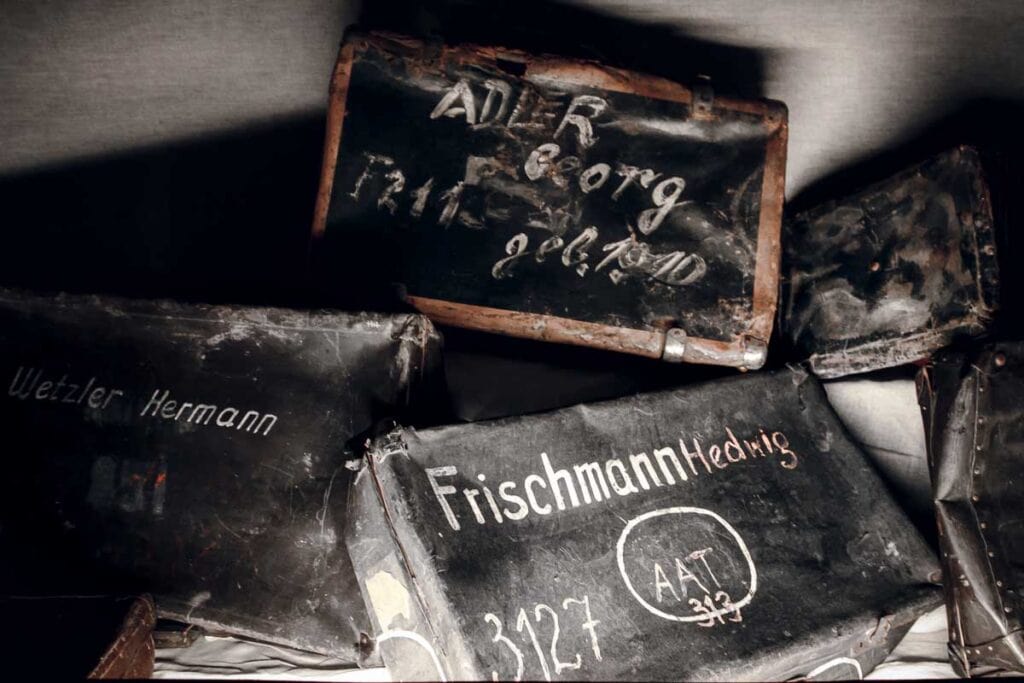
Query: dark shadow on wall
[(222, 219), (993, 126), (542, 26)]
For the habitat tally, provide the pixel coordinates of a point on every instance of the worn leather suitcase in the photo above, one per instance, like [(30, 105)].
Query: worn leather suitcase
[(725, 531), (554, 199), (197, 453), (972, 409), (894, 272)]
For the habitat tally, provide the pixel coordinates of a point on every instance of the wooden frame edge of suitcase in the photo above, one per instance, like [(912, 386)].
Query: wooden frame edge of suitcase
[(747, 351), (332, 141)]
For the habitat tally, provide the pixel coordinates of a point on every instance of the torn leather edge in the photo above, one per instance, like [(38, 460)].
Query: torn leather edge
[(979, 629), (748, 350)]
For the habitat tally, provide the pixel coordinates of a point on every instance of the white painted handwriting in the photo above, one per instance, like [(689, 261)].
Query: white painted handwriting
[(551, 663)]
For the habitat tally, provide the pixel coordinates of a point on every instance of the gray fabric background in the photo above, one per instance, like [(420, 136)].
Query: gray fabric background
[(82, 78)]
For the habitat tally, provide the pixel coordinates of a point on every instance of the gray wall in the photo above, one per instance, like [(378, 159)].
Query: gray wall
[(85, 77)]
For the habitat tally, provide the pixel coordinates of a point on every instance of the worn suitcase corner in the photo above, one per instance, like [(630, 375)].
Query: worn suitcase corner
[(412, 631), (895, 271), (556, 199)]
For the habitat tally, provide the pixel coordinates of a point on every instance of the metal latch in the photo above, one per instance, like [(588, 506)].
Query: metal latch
[(755, 353), (675, 345), (703, 104)]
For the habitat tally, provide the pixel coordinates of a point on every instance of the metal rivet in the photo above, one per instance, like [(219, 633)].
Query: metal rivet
[(967, 584), (978, 447), (981, 420), (991, 554), (977, 470), (1000, 360), (975, 498), (990, 648), (983, 525), (988, 250), (875, 265), (1007, 610), (999, 583)]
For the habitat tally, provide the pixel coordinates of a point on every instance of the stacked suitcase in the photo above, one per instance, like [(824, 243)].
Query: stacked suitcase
[(283, 475)]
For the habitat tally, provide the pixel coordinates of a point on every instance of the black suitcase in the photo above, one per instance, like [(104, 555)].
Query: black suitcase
[(725, 531), (197, 453)]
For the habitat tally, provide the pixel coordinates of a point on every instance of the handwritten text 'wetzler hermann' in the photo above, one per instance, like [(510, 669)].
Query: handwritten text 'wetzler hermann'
[(30, 383), (594, 482)]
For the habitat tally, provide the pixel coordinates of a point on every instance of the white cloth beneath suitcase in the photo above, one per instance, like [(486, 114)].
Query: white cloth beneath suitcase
[(921, 654)]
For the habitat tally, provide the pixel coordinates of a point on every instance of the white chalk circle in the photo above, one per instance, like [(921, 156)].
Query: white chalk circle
[(838, 661), (703, 616)]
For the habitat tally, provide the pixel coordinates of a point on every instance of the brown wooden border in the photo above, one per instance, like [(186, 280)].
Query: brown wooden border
[(332, 141), (543, 327)]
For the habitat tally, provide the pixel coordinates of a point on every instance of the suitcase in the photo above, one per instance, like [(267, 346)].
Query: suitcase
[(893, 272), (726, 531), (553, 199), (972, 409), (195, 452)]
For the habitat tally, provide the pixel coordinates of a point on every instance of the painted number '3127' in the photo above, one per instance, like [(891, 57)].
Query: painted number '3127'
[(551, 662)]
